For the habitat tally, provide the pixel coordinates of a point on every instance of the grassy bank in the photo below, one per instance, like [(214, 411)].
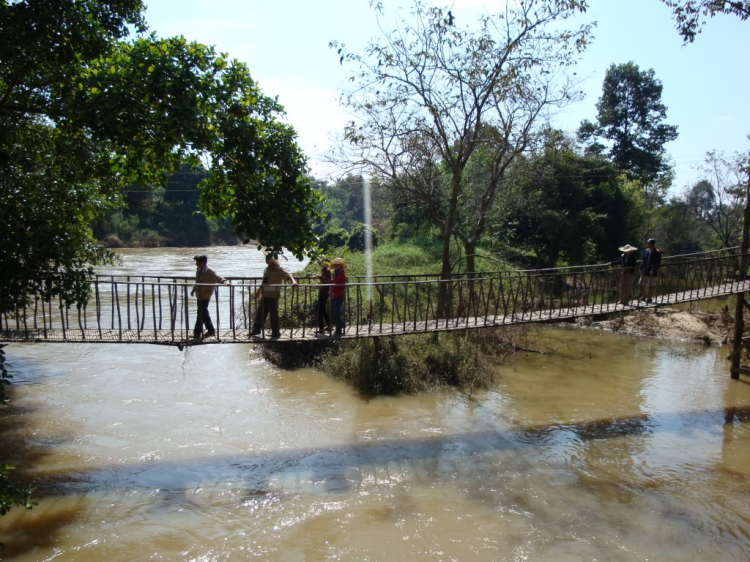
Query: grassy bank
[(410, 256)]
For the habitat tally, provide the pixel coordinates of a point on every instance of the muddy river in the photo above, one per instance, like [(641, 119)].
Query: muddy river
[(612, 448)]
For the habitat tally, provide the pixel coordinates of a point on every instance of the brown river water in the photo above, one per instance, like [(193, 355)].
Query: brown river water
[(612, 448)]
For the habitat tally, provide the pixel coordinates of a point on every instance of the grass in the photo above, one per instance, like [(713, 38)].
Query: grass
[(403, 257)]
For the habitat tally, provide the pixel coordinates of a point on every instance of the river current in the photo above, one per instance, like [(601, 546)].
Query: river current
[(609, 448)]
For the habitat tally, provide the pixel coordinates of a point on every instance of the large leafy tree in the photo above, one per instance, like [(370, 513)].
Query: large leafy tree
[(86, 109), (630, 120), (690, 15), (432, 93), (563, 207)]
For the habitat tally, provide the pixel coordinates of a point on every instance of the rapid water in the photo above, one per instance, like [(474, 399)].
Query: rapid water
[(611, 448)]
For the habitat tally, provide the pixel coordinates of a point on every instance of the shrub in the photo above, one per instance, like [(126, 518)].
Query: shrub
[(410, 364), (112, 241), (333, 238), (356, 241), (147, 238)]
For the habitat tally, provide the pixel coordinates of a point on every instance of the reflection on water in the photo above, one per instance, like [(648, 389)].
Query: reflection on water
[(612, 449)]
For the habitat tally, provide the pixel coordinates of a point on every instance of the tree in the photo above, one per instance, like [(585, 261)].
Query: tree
[(678, 230), (690, 15), (718, 200), (630, 117), (561, 206), (430, 95), (85, 112), (356, 241)]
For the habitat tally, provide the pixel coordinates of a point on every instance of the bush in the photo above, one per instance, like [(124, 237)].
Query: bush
[(410, 364), (112, 241), (147, 238), (356, 241), (333, 238)]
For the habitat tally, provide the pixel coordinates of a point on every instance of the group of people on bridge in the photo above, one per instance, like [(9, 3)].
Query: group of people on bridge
[(332, 281), (650, 264)]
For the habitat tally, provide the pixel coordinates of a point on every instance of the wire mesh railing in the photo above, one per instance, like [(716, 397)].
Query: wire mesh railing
[(160, 309)]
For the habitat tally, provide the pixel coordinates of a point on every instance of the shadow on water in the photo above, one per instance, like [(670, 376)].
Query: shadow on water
[(39, 532), (338, 466), (334, 470)]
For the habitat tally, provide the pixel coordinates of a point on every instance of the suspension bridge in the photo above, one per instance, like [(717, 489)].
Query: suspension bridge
[(159, 309)]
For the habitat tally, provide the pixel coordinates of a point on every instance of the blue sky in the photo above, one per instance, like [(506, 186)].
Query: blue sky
[(285, 44)]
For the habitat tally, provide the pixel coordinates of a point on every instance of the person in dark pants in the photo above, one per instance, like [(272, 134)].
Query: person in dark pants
[(338, 290), (324, 291), (270, 293), (205, 277), (627, 272), (649, 270)]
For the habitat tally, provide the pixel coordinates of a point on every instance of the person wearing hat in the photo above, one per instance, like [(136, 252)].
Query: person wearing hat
[(627, 272), (270, 291), (324, 291), (649, 270), (205, 277), (338, 292)]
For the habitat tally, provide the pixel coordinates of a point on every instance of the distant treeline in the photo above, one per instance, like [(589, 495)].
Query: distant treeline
[(164, 217)]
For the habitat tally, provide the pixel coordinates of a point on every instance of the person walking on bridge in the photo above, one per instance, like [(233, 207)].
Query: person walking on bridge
[(649, 270), (627, 272), (338, 292), (269, 303), (205, 277), (324, 291)]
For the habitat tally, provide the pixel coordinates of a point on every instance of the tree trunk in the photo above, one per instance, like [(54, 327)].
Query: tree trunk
[(470, 249), (445, 271)]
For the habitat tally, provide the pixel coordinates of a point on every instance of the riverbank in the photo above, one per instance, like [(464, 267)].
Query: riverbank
[(709, 328), (150, 240)]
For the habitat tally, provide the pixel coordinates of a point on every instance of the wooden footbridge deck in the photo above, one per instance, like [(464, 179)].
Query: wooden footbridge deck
[(160, 310)]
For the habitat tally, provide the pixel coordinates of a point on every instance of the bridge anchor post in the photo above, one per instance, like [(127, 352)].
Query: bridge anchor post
[(739, 309)]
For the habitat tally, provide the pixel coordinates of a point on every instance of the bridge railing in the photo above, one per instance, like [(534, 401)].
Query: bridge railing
[(161, 309)]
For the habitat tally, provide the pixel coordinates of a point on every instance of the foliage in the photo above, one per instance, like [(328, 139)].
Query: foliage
[(343, 202), (564, 206), (630, 117), (410, 364), (165, 217), (678, 231), (10, 494), (333, 238), (85, 113), (718, 200), (690, 15), (356, 241), (430, 94)]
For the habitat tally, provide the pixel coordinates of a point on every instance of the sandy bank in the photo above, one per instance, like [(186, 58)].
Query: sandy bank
[(709, 328)]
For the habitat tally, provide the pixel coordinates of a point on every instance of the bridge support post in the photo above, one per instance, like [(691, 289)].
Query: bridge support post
[(739, 309)]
